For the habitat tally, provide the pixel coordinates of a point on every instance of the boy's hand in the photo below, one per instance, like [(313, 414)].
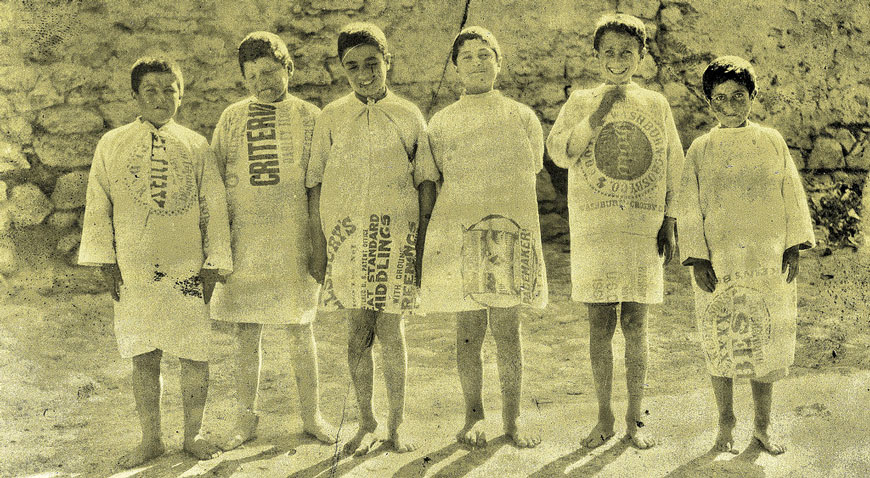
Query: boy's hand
[(610, 97), (705, 277), (665, 239), (317, 265), (112, 277), (791, 258), (209, 278)]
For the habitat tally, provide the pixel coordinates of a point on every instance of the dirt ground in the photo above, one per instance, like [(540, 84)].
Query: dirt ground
[(66, 408)]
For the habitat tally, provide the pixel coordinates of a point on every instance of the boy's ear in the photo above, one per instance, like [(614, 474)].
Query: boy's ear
[(388, 59), (642, 53)]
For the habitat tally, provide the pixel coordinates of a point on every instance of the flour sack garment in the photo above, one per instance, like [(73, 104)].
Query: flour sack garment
[(156, 206), (262, 150), (741, 205), (619, 190), (369, 160), (483, 245)]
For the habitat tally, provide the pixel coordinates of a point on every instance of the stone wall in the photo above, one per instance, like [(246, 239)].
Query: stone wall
[(64, 77)]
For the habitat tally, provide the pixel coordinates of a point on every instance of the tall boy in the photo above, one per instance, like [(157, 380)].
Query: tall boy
[(374, 187), (156, 224), (262, 145), (623, 155)]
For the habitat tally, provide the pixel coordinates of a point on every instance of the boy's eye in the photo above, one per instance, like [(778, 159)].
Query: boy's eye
[(739, 96)]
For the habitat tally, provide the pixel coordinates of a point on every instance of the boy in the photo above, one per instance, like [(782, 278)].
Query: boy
[(156, 224), (365, 172), (262, 145), (483, 258), (621, 148), (743, 219)]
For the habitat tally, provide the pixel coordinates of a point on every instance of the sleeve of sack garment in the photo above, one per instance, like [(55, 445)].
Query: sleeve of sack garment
[(675, 160), (689, 213), (571, 116), (321, 143), (98, 231), (213, 220), (218, 145), (536, 139), (424, 163), (798, 222)]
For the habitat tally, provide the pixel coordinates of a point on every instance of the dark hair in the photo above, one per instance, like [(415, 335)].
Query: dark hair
[(360, 33), (727, 68), (155, 64), (620, 23), (264, 45), (475, 33)]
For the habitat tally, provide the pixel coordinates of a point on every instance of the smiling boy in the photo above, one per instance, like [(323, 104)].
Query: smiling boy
[(623, 155)]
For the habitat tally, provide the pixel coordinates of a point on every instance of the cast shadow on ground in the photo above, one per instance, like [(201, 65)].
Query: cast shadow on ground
[(560, 467), (742, 465), (340, 464), (456, 468), (170, 464)]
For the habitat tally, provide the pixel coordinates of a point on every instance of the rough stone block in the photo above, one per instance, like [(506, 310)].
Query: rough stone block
[(62, 219), (18, 78), (337, 4), (44, 95), (70, 190), (8, 257), (639, 8), (11, 157), (676, 92), (797, 156), (553, 225), (827, 154), (65, 151), (544, 187), (69, 242), (29, 205), (647, 68), (4, 191), (70, 119), (859, 158), (672, 17)]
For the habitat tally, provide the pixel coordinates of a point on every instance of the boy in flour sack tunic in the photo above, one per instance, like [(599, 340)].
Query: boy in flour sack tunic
[(483, 257), (743, 219), (262, 145), (373, 178), (623, 155), (156, 223)]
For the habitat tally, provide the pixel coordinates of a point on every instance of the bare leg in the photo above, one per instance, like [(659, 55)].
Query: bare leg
[(361, 336), (391, 333), (723, 389), (470, 331), (633, 322), (762, 394), (505, 326), (194, 390), (602, 325), (304, 351), (147, 390), (249, 358)]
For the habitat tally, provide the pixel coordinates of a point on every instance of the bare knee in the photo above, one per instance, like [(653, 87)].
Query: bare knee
[(390, 330), (633, 318), (505, 326), (149, 361)]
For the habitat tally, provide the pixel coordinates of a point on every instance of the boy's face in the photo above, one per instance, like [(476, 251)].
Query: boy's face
[(477, 66), (158, 97), (618, 56), (267, 79), (731, 104), (366, 68)]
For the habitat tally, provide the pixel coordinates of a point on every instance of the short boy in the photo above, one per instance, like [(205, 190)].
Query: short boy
[(623, 155), (374, 184), (156, 223), (743, 219), (262, 145)]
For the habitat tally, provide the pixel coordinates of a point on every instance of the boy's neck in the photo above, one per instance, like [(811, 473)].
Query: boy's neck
[(155, 125), (374, 99)]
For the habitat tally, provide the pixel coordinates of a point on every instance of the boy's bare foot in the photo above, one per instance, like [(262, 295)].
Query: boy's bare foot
[(641, 438), (725, 438), (201, 448), (599, 435), (401, 442), (523, 438), (473, 434), (773, 445), (244, 431), (320, 429), (363, 442), (141, 454)]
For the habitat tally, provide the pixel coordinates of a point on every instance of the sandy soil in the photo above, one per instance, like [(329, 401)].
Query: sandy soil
[(66, 408)]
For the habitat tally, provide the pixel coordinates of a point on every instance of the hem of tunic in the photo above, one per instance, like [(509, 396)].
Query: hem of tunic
[(769, 377), (302, 318)]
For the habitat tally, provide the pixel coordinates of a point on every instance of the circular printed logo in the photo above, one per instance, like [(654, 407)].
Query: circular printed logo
[(736, 330), (622, 151), (162, 181)]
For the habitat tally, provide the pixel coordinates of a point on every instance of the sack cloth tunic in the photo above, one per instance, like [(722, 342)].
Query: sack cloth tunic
[(369, 159), (156, 207), (741, 205), (619, 190), (483, 245), (262, 151)]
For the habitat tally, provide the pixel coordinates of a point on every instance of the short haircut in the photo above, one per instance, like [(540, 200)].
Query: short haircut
[(475, 33), (727, 68), (620, 23), (361, 33), (264, 45), (155, 64)]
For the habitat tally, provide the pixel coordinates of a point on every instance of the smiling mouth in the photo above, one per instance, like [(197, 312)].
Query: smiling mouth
[(613, 72)]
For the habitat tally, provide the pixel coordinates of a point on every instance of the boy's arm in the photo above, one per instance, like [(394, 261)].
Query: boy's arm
[(689, 212), (536, 138), (317, 260), (428, 195), (675, 159), (213, 219), (426, 173), (560, 135), (218, 147), (798, 222)]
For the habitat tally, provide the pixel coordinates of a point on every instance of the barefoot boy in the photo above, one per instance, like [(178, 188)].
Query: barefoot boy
[(262, 145), (156, 223), (365, 154), (623, 156), (483, 257), (743, 219)]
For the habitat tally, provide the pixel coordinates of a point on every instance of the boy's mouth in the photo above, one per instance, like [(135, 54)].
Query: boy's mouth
[(615, 72)]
